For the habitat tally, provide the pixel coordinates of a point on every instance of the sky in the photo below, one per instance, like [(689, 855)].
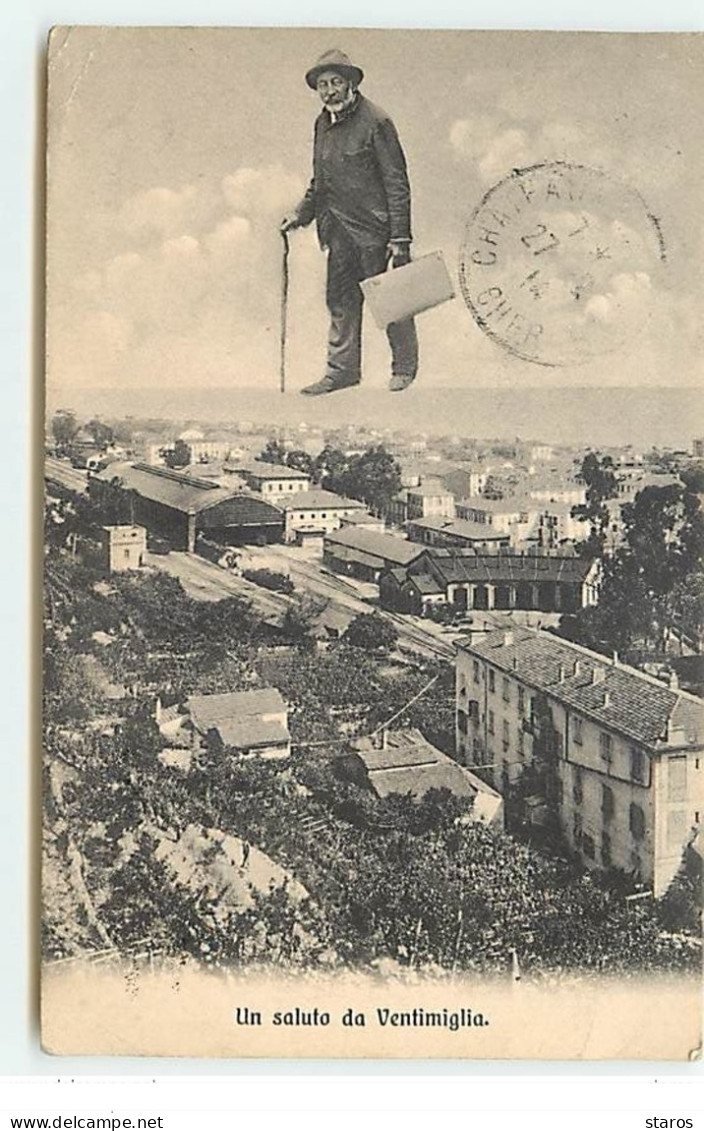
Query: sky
[(174, 153)]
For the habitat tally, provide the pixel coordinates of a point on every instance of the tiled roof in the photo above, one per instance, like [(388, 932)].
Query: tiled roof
[(241, 734), (385, 546), (170, 714), (317, 499), (497, 506), (208, 711), (459, 527), (424, 583), (350, 554), (504, 569), (638, 705), (270, 470), (185, 493), (463, 528), (410, 764)]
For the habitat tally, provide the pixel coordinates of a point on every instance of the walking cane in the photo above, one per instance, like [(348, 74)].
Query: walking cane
[(284, 311)]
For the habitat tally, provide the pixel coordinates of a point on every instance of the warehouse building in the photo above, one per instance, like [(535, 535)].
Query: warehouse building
[(179, 507), (465, 580), (365, 554)]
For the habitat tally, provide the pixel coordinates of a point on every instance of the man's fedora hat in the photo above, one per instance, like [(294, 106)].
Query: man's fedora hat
[(334, 61)]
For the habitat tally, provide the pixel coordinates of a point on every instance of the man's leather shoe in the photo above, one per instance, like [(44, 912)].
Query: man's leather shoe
[(401, 381), (327, 385)]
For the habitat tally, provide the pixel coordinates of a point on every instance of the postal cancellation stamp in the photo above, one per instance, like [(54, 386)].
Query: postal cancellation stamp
[(556, 260)]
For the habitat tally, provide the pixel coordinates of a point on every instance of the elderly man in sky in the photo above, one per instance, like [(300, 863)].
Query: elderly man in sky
[(360, 199)]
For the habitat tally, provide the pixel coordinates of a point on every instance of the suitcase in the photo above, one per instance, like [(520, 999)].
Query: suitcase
[(405, 291)]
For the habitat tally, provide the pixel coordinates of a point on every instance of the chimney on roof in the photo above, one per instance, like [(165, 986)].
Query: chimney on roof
[(561, 673), (384, 742), (577, 667), (614, 659), (607, 699), (673, 682), (598, 674), (508, 636)]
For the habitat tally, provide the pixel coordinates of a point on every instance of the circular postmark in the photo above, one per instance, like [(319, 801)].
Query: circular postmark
[(558, 261)]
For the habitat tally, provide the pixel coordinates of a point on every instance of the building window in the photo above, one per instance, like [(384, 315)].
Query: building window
[(521, 701), (504, 734), (588, 847), (492, 680), (677, 778), (605, 747), (577, 790), (606, 857), (461, 722), (577, 831), (475, 671), (637, 765), (636, 821), (505, 691), (559, 793), (577, 731), (490, 722), (520, 741), (607, 802)]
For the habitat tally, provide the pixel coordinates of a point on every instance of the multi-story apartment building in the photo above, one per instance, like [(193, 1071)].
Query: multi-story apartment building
[(428, 499), (617, 756), (557, 525), (272, 481), (316, 512), (516, 517)]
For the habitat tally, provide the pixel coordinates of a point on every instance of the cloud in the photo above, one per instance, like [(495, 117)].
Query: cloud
[(495, 144), (192, 285), (265, 192), (624, 300), (510, 149), (159, 211)]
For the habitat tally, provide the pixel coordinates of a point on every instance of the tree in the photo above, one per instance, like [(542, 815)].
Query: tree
[(274, 452), (178, 456), (64, 427), (693, 478), (372, 632), (652, 584), (123, 431), (300, 460), (601, 483), (664, 530), (299, 620), (373, 477), (329, 465), (102, 433)]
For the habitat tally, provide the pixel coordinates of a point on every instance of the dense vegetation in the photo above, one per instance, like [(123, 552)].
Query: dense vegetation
[(395, 881)]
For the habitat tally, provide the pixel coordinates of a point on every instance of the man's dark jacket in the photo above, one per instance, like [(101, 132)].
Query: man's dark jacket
[(359, 178)]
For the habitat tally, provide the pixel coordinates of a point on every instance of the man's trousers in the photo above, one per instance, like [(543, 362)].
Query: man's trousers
[(347, 266)]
